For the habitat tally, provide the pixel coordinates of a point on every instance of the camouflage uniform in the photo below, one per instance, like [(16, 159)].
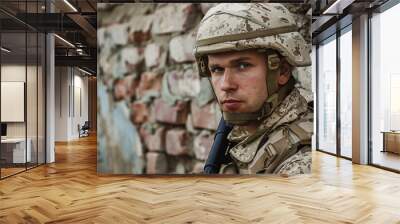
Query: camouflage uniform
[(281, 144)]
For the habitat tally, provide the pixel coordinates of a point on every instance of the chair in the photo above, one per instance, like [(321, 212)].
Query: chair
[(84, 130)]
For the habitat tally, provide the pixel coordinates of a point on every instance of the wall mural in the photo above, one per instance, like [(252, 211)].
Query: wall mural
[(156, 115)]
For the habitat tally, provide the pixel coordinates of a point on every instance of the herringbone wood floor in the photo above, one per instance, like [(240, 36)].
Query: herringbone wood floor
[(70, 191)]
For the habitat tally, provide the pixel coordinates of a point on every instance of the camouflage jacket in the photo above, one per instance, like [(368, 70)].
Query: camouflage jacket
[(281, 144)]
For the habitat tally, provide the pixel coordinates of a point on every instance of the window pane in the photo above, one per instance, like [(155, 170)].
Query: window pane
[(327, 96), (345, 94)]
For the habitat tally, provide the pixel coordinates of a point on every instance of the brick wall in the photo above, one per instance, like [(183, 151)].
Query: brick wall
[(155, 115)]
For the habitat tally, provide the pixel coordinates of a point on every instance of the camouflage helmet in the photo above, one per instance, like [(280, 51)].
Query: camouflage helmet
[(241, 26), (268, 27)]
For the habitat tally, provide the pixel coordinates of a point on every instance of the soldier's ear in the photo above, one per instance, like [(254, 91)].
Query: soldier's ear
[(286, 69)]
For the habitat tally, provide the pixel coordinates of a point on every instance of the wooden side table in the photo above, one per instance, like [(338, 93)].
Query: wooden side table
[(391, 141)]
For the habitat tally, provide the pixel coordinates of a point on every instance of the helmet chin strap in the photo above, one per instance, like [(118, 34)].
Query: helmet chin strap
[(276, 95)]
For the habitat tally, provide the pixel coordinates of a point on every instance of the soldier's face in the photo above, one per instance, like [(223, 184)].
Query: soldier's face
[(239, 80)]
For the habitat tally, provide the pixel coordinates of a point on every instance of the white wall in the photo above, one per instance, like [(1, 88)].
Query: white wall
[(61, 103), (80, 115), (13, 73), (16, 73), (70, 83)]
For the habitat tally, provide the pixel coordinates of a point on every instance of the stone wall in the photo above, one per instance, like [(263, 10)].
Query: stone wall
[(155, 115)]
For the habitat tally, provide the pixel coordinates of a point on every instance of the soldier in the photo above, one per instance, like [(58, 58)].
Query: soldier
[(248, 52)]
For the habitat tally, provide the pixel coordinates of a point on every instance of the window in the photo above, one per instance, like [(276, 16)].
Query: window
[(385, 88), (327, 96)]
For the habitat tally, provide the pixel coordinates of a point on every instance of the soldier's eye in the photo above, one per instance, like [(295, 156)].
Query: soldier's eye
[(243, 65), (216, 70)]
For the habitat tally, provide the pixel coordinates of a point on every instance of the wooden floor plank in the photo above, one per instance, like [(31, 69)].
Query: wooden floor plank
[(70, 191)]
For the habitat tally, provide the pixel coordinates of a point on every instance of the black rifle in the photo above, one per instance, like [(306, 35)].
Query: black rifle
[(217, 154)]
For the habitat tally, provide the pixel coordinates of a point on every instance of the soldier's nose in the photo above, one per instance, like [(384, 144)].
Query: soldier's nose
[(228, 82)]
